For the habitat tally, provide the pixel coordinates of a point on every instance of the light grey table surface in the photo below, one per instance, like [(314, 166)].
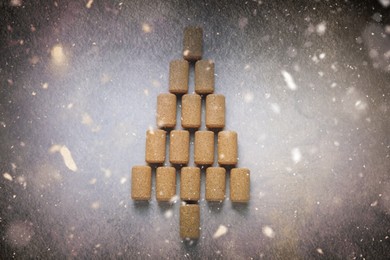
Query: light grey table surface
[(307, 89)]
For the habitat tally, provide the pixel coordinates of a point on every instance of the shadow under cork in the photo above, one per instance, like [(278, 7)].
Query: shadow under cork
[(241, 208), (215, 206), (141, 206), (164, 206), (190, 244)]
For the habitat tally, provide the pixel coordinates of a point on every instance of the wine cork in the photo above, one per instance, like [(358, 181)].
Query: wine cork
[(190, 183), (190, 221), (155, 146), (215, 111), (204, 147), (192, 43), (179, 147), (141, 182), (227, 148), (215, 183), (239, 185), (204, 77), (178, 76), (165, 183), (191, 111), (166, 110)]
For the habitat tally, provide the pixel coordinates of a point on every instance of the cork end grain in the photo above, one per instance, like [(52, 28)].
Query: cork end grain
[(166, 110), (193, 43), (179, 146), (141, 183), (190, 184), (215, 111), (215, 184), (191, 113), (240, 185), (190, 221), (204, 77), (204, 147), (178, 76), (155, 146), (165, 183), (227, 148)]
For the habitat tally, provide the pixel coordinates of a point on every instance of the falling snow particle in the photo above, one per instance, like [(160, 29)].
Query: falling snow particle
[(374, 204), (16, 3), (268, 232), (248, 97), (319, 250), (168, 214), (146, 28), (385, 3), (123, 180), (174, 199), (68, 159), (221, 231), (95, 205), (321, 28), (57, 54), (289, 80), (296, 155), (275, 108), (89, 4), (7, 176)]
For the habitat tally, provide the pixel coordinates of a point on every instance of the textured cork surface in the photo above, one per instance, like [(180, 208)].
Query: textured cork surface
[(179, 147), (192, 43), (204, 147), (191, 111), (141, 182), (239, 185), (190, 184), (189, 221), (215, 111), (215, 183), (155, 146), (204, 77), (166, 110), (165, 183), (178, 76), (227, 148)]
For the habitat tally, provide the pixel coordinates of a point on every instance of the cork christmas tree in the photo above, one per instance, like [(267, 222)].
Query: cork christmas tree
[(179, 134)]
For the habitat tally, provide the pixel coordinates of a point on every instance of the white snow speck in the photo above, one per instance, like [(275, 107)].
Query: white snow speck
[(248, 97), (123, 180), (296, 155), (89, 4), (319, 250), (268, 232), (221, 231), (174, 199), (168, 214), (289, 80), (16, 3), (95, 205), (275, 108), (68, 159), (146, 28), (7, 176), (322, 56), (374, 204), (66, 156), (385, 3), (321, 28)]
